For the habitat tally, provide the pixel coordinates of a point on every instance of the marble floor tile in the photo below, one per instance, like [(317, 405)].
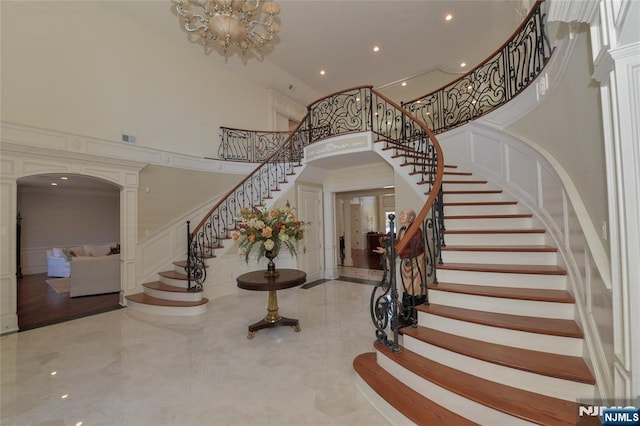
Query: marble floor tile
[(129, 368)]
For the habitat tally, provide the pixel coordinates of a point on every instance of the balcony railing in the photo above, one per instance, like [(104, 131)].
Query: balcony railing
[(502, 76)]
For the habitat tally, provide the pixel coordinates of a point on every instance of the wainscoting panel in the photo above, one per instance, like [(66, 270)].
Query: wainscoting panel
[(523, 174), (488, 153)]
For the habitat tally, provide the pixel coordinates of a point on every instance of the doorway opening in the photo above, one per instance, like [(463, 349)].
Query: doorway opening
[(57, 213)]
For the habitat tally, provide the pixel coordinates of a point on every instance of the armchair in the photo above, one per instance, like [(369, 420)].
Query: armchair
[(57, 263)]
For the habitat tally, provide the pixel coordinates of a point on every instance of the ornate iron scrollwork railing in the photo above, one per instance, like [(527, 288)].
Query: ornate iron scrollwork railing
[(249, 145), (503, 75)]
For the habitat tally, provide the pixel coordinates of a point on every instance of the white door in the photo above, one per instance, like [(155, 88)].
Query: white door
[(310, 253)]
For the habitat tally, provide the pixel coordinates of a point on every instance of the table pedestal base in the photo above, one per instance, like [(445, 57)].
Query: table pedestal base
[(273, 319)]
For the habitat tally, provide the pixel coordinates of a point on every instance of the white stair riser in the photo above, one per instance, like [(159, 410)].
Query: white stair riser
[(452, 401), (168, 310), (481, 209), (531, 308), (174, 282), (550, 282), (472, 198), (502, 257), (557, 388), (462, 186), (387, 410), (457, 178), (195, 296), (488, 223), (570, 346), (494, 239)]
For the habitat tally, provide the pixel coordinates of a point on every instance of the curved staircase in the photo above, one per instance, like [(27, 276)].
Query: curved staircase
[(169, 295), (497, 343)]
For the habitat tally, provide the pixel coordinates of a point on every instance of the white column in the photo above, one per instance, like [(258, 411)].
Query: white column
[(8, 289), (330, 241), (627, 298), (348, 260)]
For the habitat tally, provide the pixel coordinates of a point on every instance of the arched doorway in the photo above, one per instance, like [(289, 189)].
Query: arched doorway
[(61, 214), (20, 162)]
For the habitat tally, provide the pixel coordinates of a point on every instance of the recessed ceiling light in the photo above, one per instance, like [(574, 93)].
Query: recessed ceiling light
[(64, 178), (54, 184), (448, 17), (404, 83), (322, 72), (376, 48), (464, 64)]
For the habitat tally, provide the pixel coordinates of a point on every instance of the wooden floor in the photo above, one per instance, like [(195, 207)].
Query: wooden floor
[(39, 305)]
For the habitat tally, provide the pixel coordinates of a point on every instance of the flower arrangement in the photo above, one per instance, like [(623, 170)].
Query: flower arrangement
[(268, 230)]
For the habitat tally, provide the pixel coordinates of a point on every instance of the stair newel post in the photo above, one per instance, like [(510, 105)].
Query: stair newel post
[(189, 254), (394, 288)]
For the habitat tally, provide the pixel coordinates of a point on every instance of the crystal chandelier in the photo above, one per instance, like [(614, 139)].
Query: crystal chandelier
[(244, 24)]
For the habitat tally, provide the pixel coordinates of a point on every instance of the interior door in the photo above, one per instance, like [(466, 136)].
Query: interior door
[(310, 252)]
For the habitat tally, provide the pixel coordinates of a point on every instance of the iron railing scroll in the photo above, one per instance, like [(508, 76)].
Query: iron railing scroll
[(195, 267), (249, 146), (384, 297), (502, 76)]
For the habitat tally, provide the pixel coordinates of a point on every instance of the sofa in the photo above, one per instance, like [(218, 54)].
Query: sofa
[(92, 268)]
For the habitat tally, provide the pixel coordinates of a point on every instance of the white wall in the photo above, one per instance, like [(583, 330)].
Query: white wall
[(78, 67), (54, 217)]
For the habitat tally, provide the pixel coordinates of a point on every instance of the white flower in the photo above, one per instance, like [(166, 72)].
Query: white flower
[(269, 244), (283, 236)]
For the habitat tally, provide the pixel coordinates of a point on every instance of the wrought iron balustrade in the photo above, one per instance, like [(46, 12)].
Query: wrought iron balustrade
[(251, 146), (506, 73)]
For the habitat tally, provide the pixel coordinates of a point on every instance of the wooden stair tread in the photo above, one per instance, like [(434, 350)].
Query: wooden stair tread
[(520, 249), (447, 182), (183, 263), (530, 406), (157, 285), (496, 231), (150, 300), (173, 275), (411, 404), (538, 294), (490, 216), (505, 269), (477, 191), (480, 203), (548, 326), (548, 364)]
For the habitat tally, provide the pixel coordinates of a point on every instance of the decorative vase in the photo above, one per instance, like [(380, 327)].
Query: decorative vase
[(271, 267)]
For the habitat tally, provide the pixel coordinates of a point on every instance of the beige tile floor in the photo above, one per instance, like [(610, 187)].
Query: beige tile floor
[(128, 368)]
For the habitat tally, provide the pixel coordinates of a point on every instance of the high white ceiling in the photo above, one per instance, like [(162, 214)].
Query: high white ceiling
[(338, 37)]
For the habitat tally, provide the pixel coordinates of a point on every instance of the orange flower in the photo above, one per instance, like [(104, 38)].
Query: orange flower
[(267, 232), (252, 238), (235, 236), (244, 210), (274, 213)]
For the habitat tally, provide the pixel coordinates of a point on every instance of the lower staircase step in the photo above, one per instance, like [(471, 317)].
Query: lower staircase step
[(410, 403), (150, 300), (529, 406), (154, 305), (563, 367), (542, 295), (505, 269), (550, 326)]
